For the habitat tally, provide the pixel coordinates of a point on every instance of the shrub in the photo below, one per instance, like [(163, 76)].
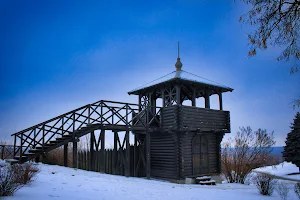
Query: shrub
[(24, 173), (265, 183), (14, 177), (282, 190), (297, 189), (246, 151), (7, 184)]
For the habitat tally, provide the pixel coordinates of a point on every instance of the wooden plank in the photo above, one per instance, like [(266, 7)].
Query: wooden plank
[(66, 155), (127, 154), (74, 154)]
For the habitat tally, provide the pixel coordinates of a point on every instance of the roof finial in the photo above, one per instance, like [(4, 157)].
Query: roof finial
[(178, 64)]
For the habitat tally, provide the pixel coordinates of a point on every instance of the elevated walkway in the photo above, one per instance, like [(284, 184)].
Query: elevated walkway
[(69, 127)]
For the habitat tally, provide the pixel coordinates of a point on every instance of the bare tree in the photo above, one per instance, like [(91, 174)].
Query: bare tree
[(277, 23), (246, 151)]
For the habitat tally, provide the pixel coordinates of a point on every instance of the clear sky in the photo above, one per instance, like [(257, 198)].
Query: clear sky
[(56, 56)]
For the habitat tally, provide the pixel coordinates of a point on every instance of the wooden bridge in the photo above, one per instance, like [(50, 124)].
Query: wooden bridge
[(69, 127)]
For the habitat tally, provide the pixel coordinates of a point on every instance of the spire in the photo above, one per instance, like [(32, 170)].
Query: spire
[(178, 64)]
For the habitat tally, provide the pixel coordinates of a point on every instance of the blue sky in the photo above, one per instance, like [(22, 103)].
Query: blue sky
[(59, 55)]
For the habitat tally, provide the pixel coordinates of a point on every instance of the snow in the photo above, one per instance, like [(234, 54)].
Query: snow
[(281, 170), (55, 182)]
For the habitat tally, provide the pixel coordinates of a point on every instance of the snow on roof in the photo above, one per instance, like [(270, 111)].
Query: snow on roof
[(183, 75)]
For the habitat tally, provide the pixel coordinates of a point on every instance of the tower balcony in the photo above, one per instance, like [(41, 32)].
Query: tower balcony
[(180, 117)]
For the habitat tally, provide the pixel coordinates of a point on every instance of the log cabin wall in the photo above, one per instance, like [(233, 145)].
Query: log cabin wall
[(179, 117), (164, 155)]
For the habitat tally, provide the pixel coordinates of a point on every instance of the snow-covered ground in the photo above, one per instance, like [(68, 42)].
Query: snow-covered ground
[(281, 170), (55, 182)]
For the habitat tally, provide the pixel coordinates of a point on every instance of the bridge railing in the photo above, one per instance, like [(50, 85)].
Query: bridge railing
[(7, 151), (101, 112)]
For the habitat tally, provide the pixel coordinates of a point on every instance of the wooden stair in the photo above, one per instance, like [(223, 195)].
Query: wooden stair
[(53, 144), (205, 180)]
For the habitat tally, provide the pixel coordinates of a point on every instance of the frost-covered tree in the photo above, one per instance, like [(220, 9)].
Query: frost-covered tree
[(291, 151)]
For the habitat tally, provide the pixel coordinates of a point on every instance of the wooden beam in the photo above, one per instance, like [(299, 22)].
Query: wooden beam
[(74, 154), (148, 155), (114, 161), (220, 101), (194, 97), (207, 101), (178, 99), (135, 156), (163, 98), (127, 164), (91, 157), (66, 155), (140, 102), (102, 139)]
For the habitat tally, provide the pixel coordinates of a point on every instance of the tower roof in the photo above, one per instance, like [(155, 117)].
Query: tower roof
[(187, 79)]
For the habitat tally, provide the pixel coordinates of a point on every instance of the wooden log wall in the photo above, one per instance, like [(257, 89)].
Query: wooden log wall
[(164, 155), (208, 119), (109, 162), (179, 117)]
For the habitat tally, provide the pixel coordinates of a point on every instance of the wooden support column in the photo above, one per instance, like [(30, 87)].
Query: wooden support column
[(37, 159), (66, 155), (2, 152), (135, 156), (140, 102), (194, 97), (74, 154), (178, 99), (148, 164), (114, 160), (163, 98), (102, 138), (127, 158), (91, 157), (220, 101), (207, 101), (153, 102)]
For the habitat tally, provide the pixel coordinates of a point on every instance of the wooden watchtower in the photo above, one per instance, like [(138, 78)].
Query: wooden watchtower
[(174, 141), (187, 143)]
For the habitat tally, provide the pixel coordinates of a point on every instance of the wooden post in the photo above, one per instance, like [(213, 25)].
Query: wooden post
[(194, 97), (140, 102), (21, 147), (91, 156), (148, 169), (74, 144), (178, 99), (2, 152), (37, 159), (34, 138), (220, 101), (74, 154), (102, 139), (207, 101), (66, 155), (114, 160), (163, 98), (127, 164), (15, 145), (135, 148)]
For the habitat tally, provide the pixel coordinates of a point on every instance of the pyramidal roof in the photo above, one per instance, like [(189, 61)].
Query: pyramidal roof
[(182, 76)]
